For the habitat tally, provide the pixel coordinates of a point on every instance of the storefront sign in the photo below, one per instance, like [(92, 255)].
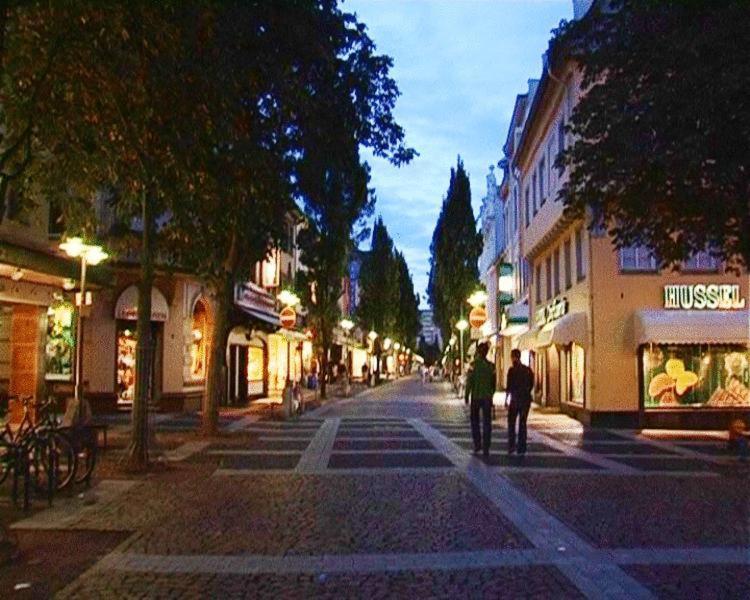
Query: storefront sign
[(703, 297), (553, 311), (253, 296)]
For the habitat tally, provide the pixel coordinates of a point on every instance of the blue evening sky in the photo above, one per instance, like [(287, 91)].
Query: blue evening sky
[(459, 65)]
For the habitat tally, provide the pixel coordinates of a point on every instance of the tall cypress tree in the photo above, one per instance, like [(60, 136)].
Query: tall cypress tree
[(407, 316), (379, 284), (455, 249)]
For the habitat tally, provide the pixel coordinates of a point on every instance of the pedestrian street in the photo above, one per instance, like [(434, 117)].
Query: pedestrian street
[(380, 496)]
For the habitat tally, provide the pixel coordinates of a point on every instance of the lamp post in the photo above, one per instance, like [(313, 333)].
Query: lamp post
[(462, 325), (396, 348), (347, 325), (90, 254), (372, 336)]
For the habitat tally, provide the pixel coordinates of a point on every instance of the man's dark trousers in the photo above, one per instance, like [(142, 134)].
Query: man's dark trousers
[(517, 410), (481, 441)]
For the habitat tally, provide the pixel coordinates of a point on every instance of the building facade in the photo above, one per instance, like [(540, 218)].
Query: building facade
[(615, 340)]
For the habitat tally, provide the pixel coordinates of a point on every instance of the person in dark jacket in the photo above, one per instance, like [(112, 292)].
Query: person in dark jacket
[(519, 386), (480, 386)]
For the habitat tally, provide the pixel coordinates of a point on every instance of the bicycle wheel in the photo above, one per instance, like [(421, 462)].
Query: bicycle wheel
[(6, 459), (52, 456), (85, 446)]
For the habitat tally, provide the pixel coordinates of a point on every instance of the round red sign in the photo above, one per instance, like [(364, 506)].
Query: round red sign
[(288, 317), (477, 317)]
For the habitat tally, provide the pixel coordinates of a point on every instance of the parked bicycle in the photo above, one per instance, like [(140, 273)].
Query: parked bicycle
[(43, 455)]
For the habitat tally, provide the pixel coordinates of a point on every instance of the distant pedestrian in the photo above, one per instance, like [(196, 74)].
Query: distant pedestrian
[(480, 387), (519, 386)]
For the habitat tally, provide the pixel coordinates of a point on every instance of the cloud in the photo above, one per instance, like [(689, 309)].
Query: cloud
[(459, 66)]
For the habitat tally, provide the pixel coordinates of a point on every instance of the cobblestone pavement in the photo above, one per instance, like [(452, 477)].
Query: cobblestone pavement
[(378, 496)]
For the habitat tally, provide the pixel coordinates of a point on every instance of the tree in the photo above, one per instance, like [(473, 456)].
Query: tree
[(354, 99), (455, 249), (379, 284), (107, 119), (662, 131), (407, 313)]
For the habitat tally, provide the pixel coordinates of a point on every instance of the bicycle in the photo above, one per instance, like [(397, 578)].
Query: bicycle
[(43, 456)]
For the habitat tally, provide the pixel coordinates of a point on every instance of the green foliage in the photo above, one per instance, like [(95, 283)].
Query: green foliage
[(407, 313), (662, 133), (379, 284), (455, 249)]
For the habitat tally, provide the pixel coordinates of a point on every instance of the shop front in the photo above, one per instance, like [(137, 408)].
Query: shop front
[(126, 316), (693, 365)]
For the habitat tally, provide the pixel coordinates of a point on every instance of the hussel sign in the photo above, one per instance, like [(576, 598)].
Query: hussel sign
[(703, 297)]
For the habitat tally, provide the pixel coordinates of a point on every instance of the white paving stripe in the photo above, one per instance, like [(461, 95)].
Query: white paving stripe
[(233, 452), (185, 451), (567, 449), (242, 423), (585, 562), (595, 579), (671, 446), (316, 456)]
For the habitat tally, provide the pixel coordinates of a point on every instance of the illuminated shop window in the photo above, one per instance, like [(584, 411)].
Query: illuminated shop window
[(126, 343), (695, 376), (198, 333), (60, 347), (577, 374)]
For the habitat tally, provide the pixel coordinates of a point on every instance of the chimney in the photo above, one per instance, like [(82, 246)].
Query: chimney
[(581, 7)]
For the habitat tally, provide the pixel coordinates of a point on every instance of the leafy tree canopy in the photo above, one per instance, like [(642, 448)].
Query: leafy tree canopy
[(662, 132)]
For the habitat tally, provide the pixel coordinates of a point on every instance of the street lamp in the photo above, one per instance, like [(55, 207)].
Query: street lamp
[(462, 326), (347, 325), (477, 298), (90, 254)]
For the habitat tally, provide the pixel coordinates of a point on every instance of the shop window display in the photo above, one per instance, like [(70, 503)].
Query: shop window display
[(60, 346), (198, 343), (695, 376), (577, 373), (126, 343)]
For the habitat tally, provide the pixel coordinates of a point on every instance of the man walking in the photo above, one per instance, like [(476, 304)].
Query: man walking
[(480, 385), (519, 386)]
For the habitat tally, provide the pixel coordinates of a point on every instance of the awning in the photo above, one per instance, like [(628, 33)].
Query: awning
[(691, 327), (515, 320), (258, 319), (127, 305), (527, 341), (572, 328)]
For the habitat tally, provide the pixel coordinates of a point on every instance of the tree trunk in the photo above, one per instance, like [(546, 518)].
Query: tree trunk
[(137, 455), (217, 354), (324, 372)]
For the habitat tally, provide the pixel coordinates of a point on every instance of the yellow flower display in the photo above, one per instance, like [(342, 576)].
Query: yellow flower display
[(675, 380)]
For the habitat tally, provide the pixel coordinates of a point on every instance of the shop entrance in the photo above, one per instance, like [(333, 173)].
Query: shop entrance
[(126, 367), (246, 372)]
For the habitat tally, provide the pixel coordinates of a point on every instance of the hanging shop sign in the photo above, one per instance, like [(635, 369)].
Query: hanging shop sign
[(477, 316), (551, 312), (703, 297), (288, 317)]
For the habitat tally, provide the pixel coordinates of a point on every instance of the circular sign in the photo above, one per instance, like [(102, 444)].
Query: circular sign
[(288, 317), (477, 317)]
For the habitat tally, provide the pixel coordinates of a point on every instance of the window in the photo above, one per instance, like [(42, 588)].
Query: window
[(535, 198), (560, 140), (637, 258), (567, 262), (695, 376), (580, 266), (528, 209), (556, 272), (577, 374), (525, 276), (549, 277), (538, 283), (701, 261), (542, 169), (515, 210)]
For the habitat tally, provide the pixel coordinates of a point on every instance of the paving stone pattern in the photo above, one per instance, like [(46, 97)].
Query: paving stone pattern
[(387, 479)]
